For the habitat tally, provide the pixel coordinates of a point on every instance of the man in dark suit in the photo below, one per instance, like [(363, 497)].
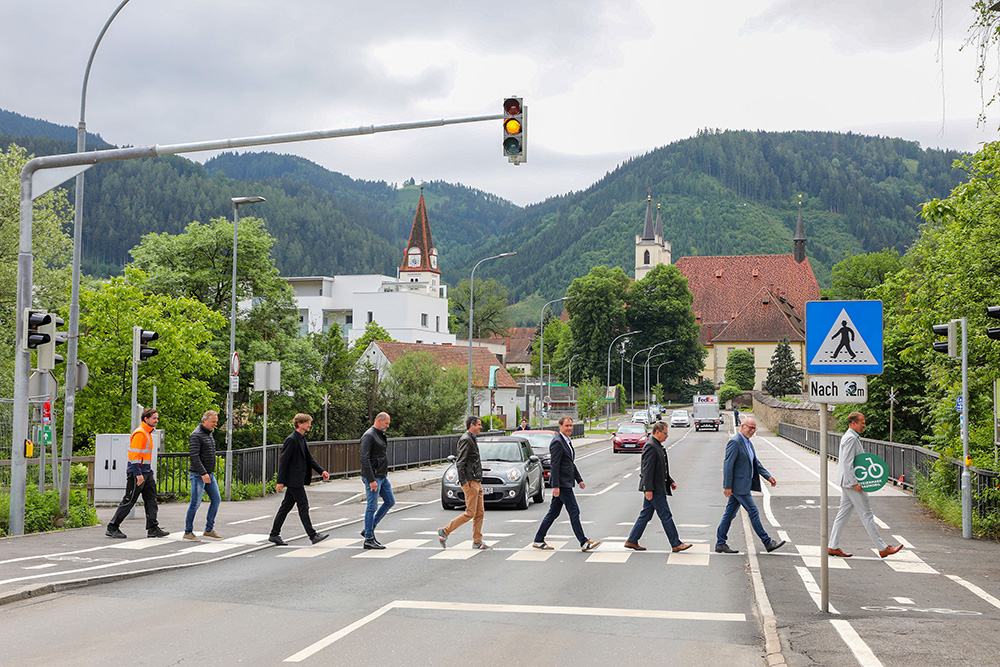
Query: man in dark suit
[(656, 484), (295, 472), (741, 474), (563, 475)]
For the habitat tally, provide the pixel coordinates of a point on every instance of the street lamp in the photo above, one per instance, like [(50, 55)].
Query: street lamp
[(73, 330), (472, 284), (631, 365), (570, 381), (649, 385), (541, 350), (646, 395), (607, 426), (230, 421), (659, 367)]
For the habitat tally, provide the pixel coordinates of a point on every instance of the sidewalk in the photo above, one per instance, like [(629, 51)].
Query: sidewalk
[(42, 563)]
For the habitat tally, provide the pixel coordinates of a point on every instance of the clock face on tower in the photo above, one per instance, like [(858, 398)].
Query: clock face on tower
[(413, 261)]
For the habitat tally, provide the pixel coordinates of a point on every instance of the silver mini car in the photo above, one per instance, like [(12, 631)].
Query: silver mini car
[(512, 474)]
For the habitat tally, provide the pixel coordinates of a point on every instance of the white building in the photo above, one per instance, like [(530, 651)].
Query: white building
[(413, 307)]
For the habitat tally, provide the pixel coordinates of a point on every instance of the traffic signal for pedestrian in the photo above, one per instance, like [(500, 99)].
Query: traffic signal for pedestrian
[(141, 350), (949, 347), (34, 334), (514, 131), (47, 357), (993, 332)]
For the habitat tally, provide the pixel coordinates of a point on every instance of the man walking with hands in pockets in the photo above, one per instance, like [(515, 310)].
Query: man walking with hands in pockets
[(656, 484)]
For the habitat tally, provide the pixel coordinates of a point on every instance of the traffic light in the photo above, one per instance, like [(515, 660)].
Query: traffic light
[(47, 357), (514, 131), (34, 334), (141, 351), (993, 332), (950, 347)]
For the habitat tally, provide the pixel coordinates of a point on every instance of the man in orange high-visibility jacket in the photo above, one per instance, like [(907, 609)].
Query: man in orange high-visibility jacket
[(140, 479)]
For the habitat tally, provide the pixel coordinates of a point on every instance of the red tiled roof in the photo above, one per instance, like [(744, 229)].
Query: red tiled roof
[(453, 356), (420, 237), (723, 285), (764, 318)]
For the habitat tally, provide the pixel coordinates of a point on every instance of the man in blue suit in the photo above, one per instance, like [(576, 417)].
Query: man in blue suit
[(741, 473)]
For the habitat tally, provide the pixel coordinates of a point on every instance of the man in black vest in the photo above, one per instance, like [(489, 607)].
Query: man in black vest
[(656, 484), (295, 471)]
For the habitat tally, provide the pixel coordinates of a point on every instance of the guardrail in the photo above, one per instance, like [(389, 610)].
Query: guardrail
[(904, 462)]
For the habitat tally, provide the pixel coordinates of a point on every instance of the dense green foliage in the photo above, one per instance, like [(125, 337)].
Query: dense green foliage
[(740, 371), (41, 511), (489, 309), (784, 376), (421, 397)]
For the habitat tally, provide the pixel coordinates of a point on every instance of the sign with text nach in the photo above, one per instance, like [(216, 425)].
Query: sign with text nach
[(838, 388), (844, 337)]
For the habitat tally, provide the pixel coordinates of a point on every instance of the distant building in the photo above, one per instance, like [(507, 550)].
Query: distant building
[(382, 354), (650, 248), (412, 307)]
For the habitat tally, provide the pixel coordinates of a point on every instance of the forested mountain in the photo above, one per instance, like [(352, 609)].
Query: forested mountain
[(721, 192)]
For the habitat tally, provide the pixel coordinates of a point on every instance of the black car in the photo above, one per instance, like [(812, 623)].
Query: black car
[(540, 440), (512, 474)]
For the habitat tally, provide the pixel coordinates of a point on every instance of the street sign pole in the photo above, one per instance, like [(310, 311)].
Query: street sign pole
[(824, 512), (966, 475)]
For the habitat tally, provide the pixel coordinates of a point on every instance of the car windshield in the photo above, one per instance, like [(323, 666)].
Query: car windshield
[(500, 451), (680, 413), (628, 428)]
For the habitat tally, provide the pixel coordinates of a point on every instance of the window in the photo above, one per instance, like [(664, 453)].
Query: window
[(750, 350), (423, 319), (348, 319), (645, 258), (370, 316), (437, 323)]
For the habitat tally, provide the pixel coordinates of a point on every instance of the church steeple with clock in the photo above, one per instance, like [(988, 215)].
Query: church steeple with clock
[(420, 261)]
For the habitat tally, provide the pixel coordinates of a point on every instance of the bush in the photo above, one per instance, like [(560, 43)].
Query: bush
[(727, 392), (243, 491), (41, 511)]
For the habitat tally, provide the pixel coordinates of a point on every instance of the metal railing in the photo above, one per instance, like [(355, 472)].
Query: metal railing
[(904, 463)]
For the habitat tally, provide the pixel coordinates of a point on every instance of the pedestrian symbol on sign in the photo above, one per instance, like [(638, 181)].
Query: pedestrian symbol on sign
[(843, 345)]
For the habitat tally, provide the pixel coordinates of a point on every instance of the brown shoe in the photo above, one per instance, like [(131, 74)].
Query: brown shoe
[(839, 552), (634, 546), (681, 547), (590, 545), (888, 551)]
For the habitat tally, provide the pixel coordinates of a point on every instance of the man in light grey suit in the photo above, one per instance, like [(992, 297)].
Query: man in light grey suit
[(851, 496)]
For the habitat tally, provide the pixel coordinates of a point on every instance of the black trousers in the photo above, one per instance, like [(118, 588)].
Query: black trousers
[(294, 495), (132, 493)]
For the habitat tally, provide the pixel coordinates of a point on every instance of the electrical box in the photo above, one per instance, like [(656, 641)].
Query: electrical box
[(111, 465)]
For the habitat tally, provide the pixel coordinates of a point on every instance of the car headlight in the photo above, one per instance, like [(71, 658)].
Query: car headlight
[(514, 474), (451, 475)]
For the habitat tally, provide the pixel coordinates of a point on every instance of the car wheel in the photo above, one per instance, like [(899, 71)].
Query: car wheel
[(522, 502), (540, 496)]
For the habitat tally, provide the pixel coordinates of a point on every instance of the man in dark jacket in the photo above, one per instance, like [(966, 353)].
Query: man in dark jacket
[(201, 447), (470, 478), (295, 471), (374, 468), (656, 484)]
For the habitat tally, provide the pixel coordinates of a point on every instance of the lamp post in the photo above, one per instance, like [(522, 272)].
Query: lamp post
[(607, 425), (646, 395), (570, 381), (631, 364), (73, 330), (659, 367), (541, 351), (472, 284), (230, 420)]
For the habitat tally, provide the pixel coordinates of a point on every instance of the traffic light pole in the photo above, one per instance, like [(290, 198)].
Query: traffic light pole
[(41, 174), (136, 332), (966, 475)]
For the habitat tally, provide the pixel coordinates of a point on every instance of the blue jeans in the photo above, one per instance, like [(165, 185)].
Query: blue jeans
[(567, 498), (372, 517), (199, 486), (662, 509), (732, 507)]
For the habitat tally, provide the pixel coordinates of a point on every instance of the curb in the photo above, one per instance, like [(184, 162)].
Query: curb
[(772, 642)]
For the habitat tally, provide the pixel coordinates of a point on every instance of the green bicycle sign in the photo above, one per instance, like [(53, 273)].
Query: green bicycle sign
[(871, 471)]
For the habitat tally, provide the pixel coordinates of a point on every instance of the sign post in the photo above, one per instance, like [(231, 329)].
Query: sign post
[(843, 339)]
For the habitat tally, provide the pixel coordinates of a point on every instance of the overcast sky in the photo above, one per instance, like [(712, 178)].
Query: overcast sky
[(603, 79)]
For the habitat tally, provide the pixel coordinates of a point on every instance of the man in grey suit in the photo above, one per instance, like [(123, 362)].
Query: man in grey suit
[(851, 496), (741, 473)]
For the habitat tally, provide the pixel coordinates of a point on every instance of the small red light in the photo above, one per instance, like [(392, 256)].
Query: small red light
[(512, 106)]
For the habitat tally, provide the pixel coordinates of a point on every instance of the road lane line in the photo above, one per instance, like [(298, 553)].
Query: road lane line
[(904, 542), (60, 553), (587, 456), (767, 508), (800, 463), (326, 641), (356, 496), (975, 589), (862, 653), (812, 587), (903, 600), (256, 518)]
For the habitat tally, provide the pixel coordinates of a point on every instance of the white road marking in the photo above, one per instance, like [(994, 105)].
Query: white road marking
[(903, 600), (347, 500), (797, 462), (530, 553), (627, 476), (249, 538), (903, 541), (102, 566), (61, 553), (862, 653), (608, 556), (138, 545), (461, 551), (522, 521), (812, 587), (210, 548), (306, 552), (587, 456), (415, 518), (696, 555), (810, 557), (660, 614), (908, 562), (689, 525), (767, 507), (256, 518), (40, 567), (975, 589), (882, 524)]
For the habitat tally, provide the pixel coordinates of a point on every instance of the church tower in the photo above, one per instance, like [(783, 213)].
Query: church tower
[(799, 242), (420, 261), (650, 248)]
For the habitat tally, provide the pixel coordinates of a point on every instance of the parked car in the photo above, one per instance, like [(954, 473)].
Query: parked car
[(630, 438), (540, 440), (640, 417), (512, 474), (680, 418)]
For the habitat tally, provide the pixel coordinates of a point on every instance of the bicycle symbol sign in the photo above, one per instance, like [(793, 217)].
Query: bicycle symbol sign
[(871, 471)]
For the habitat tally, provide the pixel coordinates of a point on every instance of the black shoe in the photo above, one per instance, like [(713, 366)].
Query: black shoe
[(774, 546), (157, 532), (115, 533), (724, 549), (276, 539), (319, 537), (373, 544)]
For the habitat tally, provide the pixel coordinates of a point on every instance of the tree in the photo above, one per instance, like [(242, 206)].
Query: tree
[(588, 399), (597, 314), (423, 398), (740, 370), (179, 371), (855, 275), (728, 392), (51, 247), (489, 309), (784, 377), (372, 333)]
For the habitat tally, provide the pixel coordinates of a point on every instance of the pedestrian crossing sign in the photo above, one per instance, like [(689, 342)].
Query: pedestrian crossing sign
[(844, 337)]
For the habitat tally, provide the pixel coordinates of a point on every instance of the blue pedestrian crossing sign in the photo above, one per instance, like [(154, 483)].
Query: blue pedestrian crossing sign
[(844, 337)]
